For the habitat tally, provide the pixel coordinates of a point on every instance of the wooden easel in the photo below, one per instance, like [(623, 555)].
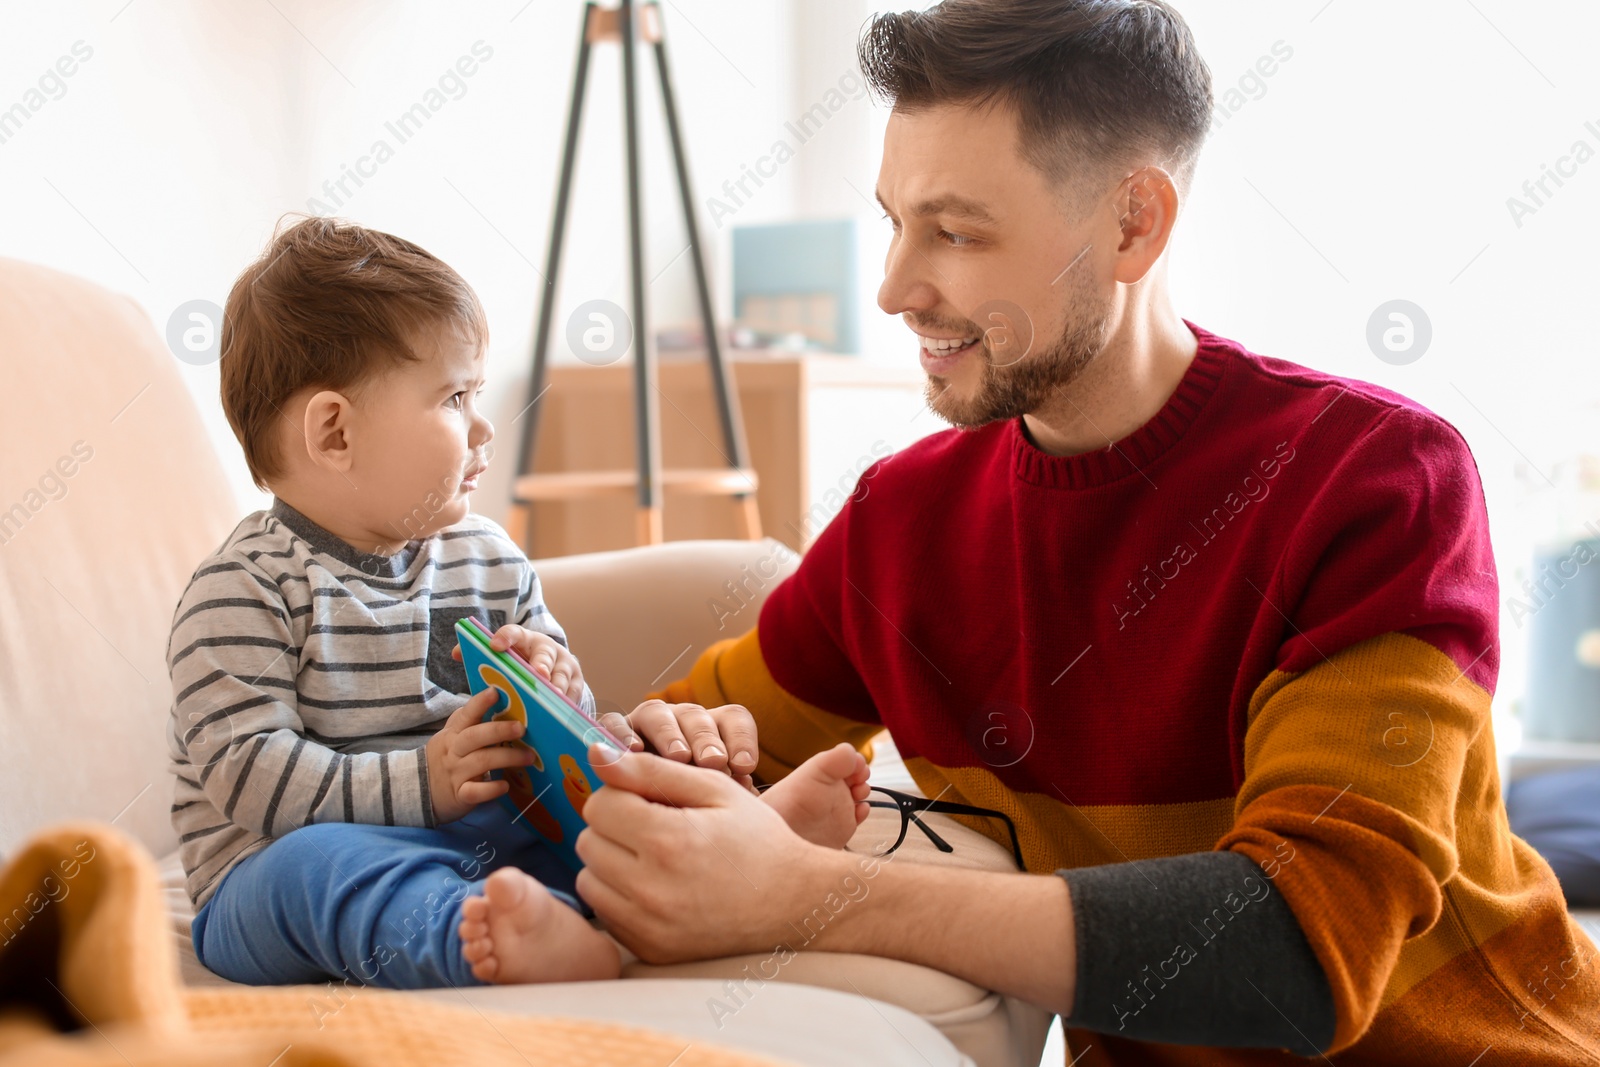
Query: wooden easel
[(738, 481)]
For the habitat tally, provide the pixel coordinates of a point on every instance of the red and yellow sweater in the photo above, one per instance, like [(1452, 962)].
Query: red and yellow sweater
[(1263, 623)]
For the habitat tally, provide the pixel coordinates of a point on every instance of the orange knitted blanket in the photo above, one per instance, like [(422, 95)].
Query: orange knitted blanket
[(89, 976)]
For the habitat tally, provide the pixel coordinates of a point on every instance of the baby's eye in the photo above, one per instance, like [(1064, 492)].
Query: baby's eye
[(455, 400)]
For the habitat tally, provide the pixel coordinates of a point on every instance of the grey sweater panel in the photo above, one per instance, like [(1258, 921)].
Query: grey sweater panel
[(1195, 950)]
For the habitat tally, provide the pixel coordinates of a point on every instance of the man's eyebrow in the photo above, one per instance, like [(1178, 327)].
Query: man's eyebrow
[(948, 204)]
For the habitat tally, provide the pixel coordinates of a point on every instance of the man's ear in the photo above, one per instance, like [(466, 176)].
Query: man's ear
[(327, 431), (1147, 206)]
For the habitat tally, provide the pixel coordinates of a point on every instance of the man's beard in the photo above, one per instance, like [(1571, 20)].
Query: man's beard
[(1007, 391)]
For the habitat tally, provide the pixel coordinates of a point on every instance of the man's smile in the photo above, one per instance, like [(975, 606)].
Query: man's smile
[(940, 353)]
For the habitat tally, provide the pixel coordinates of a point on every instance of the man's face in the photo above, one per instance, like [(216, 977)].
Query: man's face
[(1009, 297)]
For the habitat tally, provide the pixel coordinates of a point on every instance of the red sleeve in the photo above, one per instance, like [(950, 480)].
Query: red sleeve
[(792, 671), (1361, 745), (803, 639)]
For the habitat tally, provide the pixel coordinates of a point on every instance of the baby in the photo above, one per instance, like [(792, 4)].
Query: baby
[(332, 774)]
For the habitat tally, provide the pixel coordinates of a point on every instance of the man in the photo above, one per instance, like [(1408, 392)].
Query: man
[(1234, 619)]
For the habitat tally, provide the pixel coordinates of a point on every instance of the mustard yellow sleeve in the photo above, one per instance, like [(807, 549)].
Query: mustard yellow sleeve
[(1371, 797), (788, 730)]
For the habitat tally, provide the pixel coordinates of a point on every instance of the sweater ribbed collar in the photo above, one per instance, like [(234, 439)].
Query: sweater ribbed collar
[(1140, 448)]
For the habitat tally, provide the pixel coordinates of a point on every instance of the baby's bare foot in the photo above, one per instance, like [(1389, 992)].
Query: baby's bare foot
[(825, 798), (517, 932)]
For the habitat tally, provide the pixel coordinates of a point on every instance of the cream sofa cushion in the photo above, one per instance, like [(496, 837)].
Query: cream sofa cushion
[(90, 572), (989, 1028), (637, 619)]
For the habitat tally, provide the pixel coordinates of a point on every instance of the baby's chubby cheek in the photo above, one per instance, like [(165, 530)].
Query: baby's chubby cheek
[(420, 507)]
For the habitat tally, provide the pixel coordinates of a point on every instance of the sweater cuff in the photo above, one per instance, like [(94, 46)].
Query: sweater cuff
[(1195, 950), (403, 788), (425, 789)]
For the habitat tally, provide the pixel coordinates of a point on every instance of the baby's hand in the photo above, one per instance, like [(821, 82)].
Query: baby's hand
[(547, 655), (464, 751)]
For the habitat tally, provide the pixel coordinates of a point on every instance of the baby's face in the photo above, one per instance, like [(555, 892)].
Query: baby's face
[(422, 442)]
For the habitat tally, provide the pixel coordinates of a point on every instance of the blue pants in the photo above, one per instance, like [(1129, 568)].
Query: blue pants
[(376, 905)]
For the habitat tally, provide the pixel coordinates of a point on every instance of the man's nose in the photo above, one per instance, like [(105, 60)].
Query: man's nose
[(907, 285)]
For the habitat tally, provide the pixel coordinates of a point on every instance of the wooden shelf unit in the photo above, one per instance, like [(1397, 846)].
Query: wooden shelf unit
[(586, 427)]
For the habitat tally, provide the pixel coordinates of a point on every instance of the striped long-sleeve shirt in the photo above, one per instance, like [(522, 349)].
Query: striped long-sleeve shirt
[(307, 677)]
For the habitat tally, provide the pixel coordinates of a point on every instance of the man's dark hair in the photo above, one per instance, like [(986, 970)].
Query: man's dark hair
[(1097, 84)]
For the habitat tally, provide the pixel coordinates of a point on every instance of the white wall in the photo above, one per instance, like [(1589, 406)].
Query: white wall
[(1377, 165), (154, 168), (193, 126)]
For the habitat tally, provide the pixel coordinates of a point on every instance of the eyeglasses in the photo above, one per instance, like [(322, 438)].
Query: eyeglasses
[(909, 806)]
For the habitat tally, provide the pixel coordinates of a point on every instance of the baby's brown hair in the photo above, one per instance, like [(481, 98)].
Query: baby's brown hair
[(329, 304)]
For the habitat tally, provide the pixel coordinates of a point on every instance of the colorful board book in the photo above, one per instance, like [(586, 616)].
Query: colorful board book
[(547, 797)]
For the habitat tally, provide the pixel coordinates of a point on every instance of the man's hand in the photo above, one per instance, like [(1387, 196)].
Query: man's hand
[(548, 657), (465, 750), (682, 863), (721, 738)]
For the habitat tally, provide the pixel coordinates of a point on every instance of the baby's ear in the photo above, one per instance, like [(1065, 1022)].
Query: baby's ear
[(326, 427)]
